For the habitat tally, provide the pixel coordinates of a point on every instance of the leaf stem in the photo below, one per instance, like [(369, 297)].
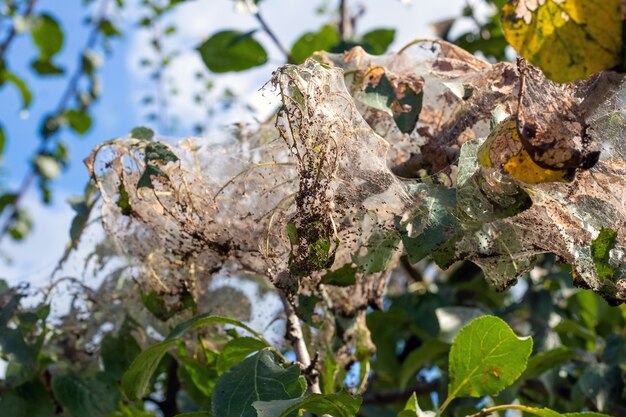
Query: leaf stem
[(445, 404), (489, 410)]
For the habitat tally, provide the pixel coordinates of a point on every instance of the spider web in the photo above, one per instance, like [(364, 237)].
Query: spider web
[(319, 191)]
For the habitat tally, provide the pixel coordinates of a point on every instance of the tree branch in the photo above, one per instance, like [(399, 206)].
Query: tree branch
[(345, 21), (4, 46), (293, 333), (273, 36), (411, 271)]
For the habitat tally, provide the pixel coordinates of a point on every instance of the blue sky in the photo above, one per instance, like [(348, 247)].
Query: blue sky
[(124, 83)]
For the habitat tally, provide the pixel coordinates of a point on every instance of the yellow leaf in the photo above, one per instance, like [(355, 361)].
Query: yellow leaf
[(567, 39), (503, 149)]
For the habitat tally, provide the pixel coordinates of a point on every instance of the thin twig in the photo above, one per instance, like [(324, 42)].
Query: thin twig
[(411, 271), (273, 36), (4, 46), (345, 21)]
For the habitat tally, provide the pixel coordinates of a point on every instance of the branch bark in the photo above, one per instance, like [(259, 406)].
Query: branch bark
[(273, 37), (345, 21), (296, 338)]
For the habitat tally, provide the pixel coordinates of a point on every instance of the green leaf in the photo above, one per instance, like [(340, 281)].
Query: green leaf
[(381, 248), (208, 319), (412, 409), (30, 399), (109, 29), (257, 378), (155, 302), (486, 357), (377, 41), (143, 133), (137, 377), (85, 396), (342, 277), (332, 372), (20, 84), (568, 40), (158, 151), (320, 254), (337, 405), (21, 224), (3, 141), (601, 384), (145, 181), (434, 223), (198, 377), (47, 166), (82, 206), (236, 350), (79, 121), (546, 412), (47, 36), (124, 204), (130, 411), (378, 95), (600, 248), (118, 353), (43, 67), (410, 104), (194, 414), (544, 361), (542, 412), (311, 42), (231, 50), (615, 351), (50, 124), (403, 102), (155, 153), (306, 308)]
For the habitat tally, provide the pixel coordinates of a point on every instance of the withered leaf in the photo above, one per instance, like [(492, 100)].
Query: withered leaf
[(551, 122)]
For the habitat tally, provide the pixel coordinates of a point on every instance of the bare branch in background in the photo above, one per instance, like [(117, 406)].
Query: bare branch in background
[(345, 21), (273, 37), (4, 45)]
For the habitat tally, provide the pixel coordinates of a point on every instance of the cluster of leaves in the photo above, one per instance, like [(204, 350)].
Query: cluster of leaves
[(577, 337), (73, 108), (568, 41), (439, 346), (232, 50)]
